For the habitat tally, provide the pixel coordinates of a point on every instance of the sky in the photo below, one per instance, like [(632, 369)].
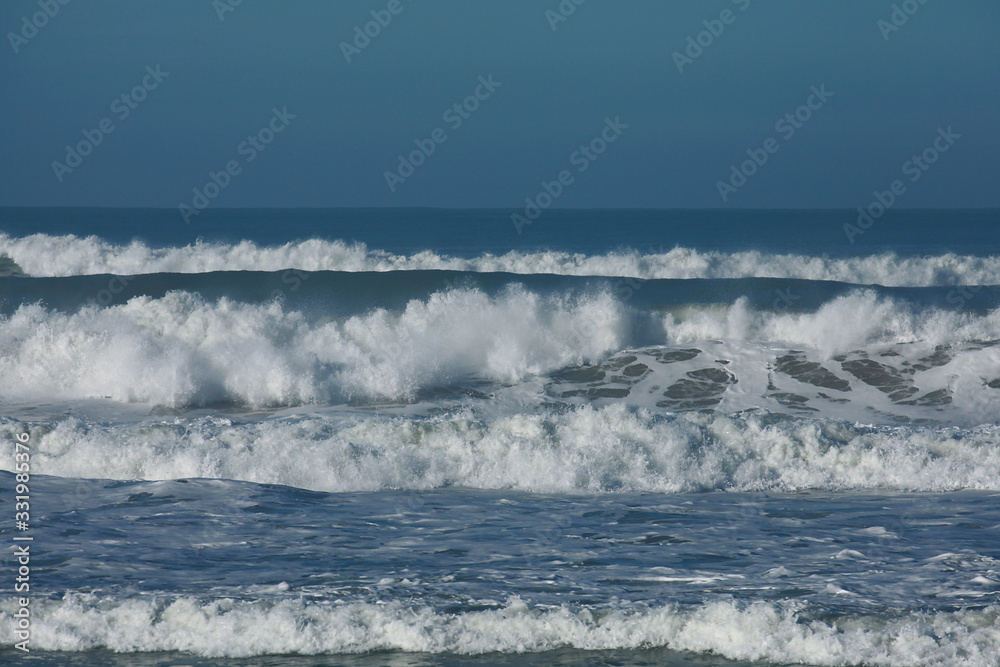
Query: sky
[(627, 104)]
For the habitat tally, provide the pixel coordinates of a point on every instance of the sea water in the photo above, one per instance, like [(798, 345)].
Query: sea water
[(419, 437)]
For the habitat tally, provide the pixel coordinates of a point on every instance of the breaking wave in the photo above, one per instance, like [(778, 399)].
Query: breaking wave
[(778, 632), (41, 255), (586, 450), (182, 350)]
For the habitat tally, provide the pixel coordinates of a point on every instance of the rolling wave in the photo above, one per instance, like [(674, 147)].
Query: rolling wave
[(772, 631), (344, 293), (613, 449), (182, 350), (43, 255)]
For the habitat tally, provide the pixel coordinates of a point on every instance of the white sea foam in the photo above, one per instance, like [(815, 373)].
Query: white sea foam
[(181, 350), (842, 324), (43, 255), (778, 632), (610, 449)]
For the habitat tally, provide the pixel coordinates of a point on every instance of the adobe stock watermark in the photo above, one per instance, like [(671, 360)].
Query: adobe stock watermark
[(116, 285), (562, 13), (581, 158), (122, 106), (254, 145), (899, 16), (786, 126), (381, 18), (958, 296), (914, 168), (22, 552), (454, 116), (223, 7), (31, 25), (714, 28), (784, 299), (291, 280)]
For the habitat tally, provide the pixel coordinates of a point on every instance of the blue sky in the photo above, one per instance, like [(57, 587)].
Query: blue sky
[(222, 74)]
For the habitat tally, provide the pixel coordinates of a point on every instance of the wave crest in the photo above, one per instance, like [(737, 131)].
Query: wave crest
[(42, 255), (611, 449), (182, 350), (779, 632)]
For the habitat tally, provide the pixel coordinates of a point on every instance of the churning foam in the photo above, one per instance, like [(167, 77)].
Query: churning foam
[(845, 323), (586, 450), (43, 255), (182, 350), (778, 632)]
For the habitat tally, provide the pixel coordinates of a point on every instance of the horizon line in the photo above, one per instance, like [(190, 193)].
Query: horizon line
[(493, 208)]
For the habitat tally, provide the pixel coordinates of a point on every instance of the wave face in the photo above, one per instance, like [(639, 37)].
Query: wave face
[(759, 631), (41, 255), (585, 450)]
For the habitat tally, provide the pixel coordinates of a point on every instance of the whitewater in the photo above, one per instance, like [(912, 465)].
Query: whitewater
[(364, 438), (42, 255)]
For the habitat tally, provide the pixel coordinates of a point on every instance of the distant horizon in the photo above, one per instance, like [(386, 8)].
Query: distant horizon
[(502, 208)]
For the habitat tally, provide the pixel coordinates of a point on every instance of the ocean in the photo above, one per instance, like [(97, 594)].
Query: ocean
[(434, 437)]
